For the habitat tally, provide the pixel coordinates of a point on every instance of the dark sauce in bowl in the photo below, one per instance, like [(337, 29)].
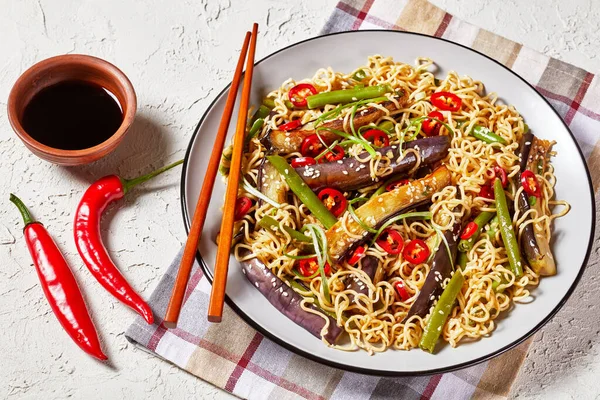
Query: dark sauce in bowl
[(72, 115)]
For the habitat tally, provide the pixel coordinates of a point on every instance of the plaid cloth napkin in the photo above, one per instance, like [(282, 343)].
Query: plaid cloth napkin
[(242, 361)]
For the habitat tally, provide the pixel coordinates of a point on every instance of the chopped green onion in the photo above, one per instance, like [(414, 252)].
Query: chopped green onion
[(359, 221), (271, 223), (359, 75), (252, 190), (320, 245), (338, 110), (422, 214), (328, 149), (363, 142)]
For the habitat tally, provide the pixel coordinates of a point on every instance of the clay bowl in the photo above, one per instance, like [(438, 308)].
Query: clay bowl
[(67, 68)]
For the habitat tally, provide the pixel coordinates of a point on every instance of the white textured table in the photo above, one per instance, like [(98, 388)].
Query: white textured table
[(179, 55)]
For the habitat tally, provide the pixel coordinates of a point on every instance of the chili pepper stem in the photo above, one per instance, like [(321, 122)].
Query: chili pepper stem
[(128, 184), (27, 218)]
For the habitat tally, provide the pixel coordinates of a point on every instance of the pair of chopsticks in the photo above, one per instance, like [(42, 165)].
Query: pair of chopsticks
[(217, 296)]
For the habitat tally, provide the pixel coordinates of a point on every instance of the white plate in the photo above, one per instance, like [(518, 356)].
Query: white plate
[(344, 52)]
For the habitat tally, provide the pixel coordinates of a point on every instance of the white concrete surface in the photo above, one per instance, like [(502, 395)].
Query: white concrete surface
[(179, 54)]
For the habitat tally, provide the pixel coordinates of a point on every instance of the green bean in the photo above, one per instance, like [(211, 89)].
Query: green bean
[(261, 113), (272, 224), (256, 127), (493, 227), (346, 95), (440, 312), (486, 135), (269, 102), (386, 126), (461, 260), (359, 75), (480, 221), (304, 193), (506, 229)]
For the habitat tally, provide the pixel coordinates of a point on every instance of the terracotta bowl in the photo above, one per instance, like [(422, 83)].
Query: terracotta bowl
[(65, 68)]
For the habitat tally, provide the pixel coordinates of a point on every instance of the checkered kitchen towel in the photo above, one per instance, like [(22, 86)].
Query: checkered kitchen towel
[(235, 357)]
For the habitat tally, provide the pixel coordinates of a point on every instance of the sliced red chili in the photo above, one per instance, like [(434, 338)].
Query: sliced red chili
[(530, 184), (396, 184), (357, 255), (309, 266), (446, 101), (303, 161), (377, 137), (486, 192), (290, 125), (391, 241), (312, 146), (334, 200), (300, 92), (335, 154), (469, 230), (401, 290), (242, 206), (416, 251), (500, 172), (431, 126)]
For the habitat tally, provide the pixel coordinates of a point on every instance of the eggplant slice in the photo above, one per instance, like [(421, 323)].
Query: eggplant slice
[(290, 141), (287, 301), (271, 183), (380, 208), (441, 268), (533, 155), (351, 174)]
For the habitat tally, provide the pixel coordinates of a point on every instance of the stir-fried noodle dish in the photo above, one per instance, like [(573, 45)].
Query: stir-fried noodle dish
[(390, 208)]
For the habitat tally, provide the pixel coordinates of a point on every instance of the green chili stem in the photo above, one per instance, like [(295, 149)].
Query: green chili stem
[(486, 135), (440, 312), (128, 184), (506, 229), (304, 193), (346, 95), (482, 219), (27, 218)]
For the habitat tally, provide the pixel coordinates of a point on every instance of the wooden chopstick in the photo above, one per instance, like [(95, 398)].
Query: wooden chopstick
[(217, 294), (191, 245)]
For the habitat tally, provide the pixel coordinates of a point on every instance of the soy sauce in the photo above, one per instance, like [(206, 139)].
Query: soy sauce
[(72, 115)]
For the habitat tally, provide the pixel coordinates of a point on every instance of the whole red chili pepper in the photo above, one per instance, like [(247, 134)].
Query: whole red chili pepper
[(89, 241), (59, 284)]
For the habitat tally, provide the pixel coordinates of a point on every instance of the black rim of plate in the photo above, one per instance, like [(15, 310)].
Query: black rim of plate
[(351, 368)]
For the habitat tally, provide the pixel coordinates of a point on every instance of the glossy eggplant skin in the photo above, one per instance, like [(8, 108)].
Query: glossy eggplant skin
[(369, 266), (535, 247), (380, 208), (287, 301), (289, 142), (351, 174), (441, 268)]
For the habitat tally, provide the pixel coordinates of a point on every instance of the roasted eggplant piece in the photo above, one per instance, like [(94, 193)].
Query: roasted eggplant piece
[(351, 174), (287, 301), (369, 266), (533, 155), (441, 268), (271, 183), (380, 208), (290, 141)]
